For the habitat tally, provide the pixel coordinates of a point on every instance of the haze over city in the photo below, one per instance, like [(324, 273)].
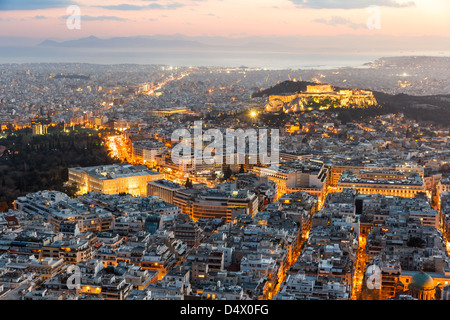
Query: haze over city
[(283, 27)]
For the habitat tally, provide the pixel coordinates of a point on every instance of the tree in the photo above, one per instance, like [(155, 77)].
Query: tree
[(71, 190), (227, 173), (188, 183), (36, 165), (3, 206)]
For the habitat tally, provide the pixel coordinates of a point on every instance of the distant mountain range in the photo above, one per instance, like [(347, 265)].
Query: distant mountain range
[(121, 42), (293, 44)]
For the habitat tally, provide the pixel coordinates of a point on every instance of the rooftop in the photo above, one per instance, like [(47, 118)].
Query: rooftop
[(121, 170)]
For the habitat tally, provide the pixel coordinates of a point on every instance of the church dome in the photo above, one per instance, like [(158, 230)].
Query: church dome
[(422, 281)]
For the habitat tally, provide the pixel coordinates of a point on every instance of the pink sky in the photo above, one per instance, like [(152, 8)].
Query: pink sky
[(230, 18)]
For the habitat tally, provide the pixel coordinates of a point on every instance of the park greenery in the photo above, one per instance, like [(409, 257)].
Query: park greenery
[(40, 162)]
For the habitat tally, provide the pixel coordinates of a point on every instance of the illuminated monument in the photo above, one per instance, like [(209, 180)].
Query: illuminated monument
[(324, 96)]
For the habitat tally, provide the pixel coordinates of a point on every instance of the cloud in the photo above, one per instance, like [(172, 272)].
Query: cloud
[(340, 21), (151, 6), (123, 7), (102, 18), (99, 18), (9, 5), (350, 4)]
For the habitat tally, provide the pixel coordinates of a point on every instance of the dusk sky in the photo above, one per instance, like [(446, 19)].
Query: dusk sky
[(229, 18)]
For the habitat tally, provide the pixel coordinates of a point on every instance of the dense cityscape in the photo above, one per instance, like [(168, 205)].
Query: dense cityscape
[(94, 207), (224, 159)]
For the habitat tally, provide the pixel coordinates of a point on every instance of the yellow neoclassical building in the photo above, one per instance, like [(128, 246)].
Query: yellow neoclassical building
[(114, 179)]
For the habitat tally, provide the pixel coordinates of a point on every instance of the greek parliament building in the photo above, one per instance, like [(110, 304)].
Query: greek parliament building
[(113, 179), (205, 203)]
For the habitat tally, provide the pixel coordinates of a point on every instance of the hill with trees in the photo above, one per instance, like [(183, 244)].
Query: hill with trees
[(434, 109), (39, 162)]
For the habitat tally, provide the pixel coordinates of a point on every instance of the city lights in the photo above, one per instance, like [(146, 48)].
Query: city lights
[(290, 152)]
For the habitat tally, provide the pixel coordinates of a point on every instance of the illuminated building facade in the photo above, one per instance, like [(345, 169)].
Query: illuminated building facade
[(292, 179), (391, 183), (443, 186), (170, 112), (215, 204), (146, 151), (47, 267), (424, 286), (113, 179), (90, 221), (39, 129), (163, 189), (336, 171), (72, 252)]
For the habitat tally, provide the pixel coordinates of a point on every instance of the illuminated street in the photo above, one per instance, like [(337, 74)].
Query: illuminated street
[(359, 269), (118, 149)]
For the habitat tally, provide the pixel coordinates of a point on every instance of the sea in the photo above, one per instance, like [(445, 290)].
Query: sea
[(220, 58)]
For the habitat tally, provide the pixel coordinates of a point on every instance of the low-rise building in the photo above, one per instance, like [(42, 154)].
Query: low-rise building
[(113, 179)]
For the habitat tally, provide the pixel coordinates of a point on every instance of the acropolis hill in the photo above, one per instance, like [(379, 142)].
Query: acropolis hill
[(321, 97)]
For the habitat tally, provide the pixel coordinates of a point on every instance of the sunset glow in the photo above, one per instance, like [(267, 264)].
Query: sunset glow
[(231, 18)]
